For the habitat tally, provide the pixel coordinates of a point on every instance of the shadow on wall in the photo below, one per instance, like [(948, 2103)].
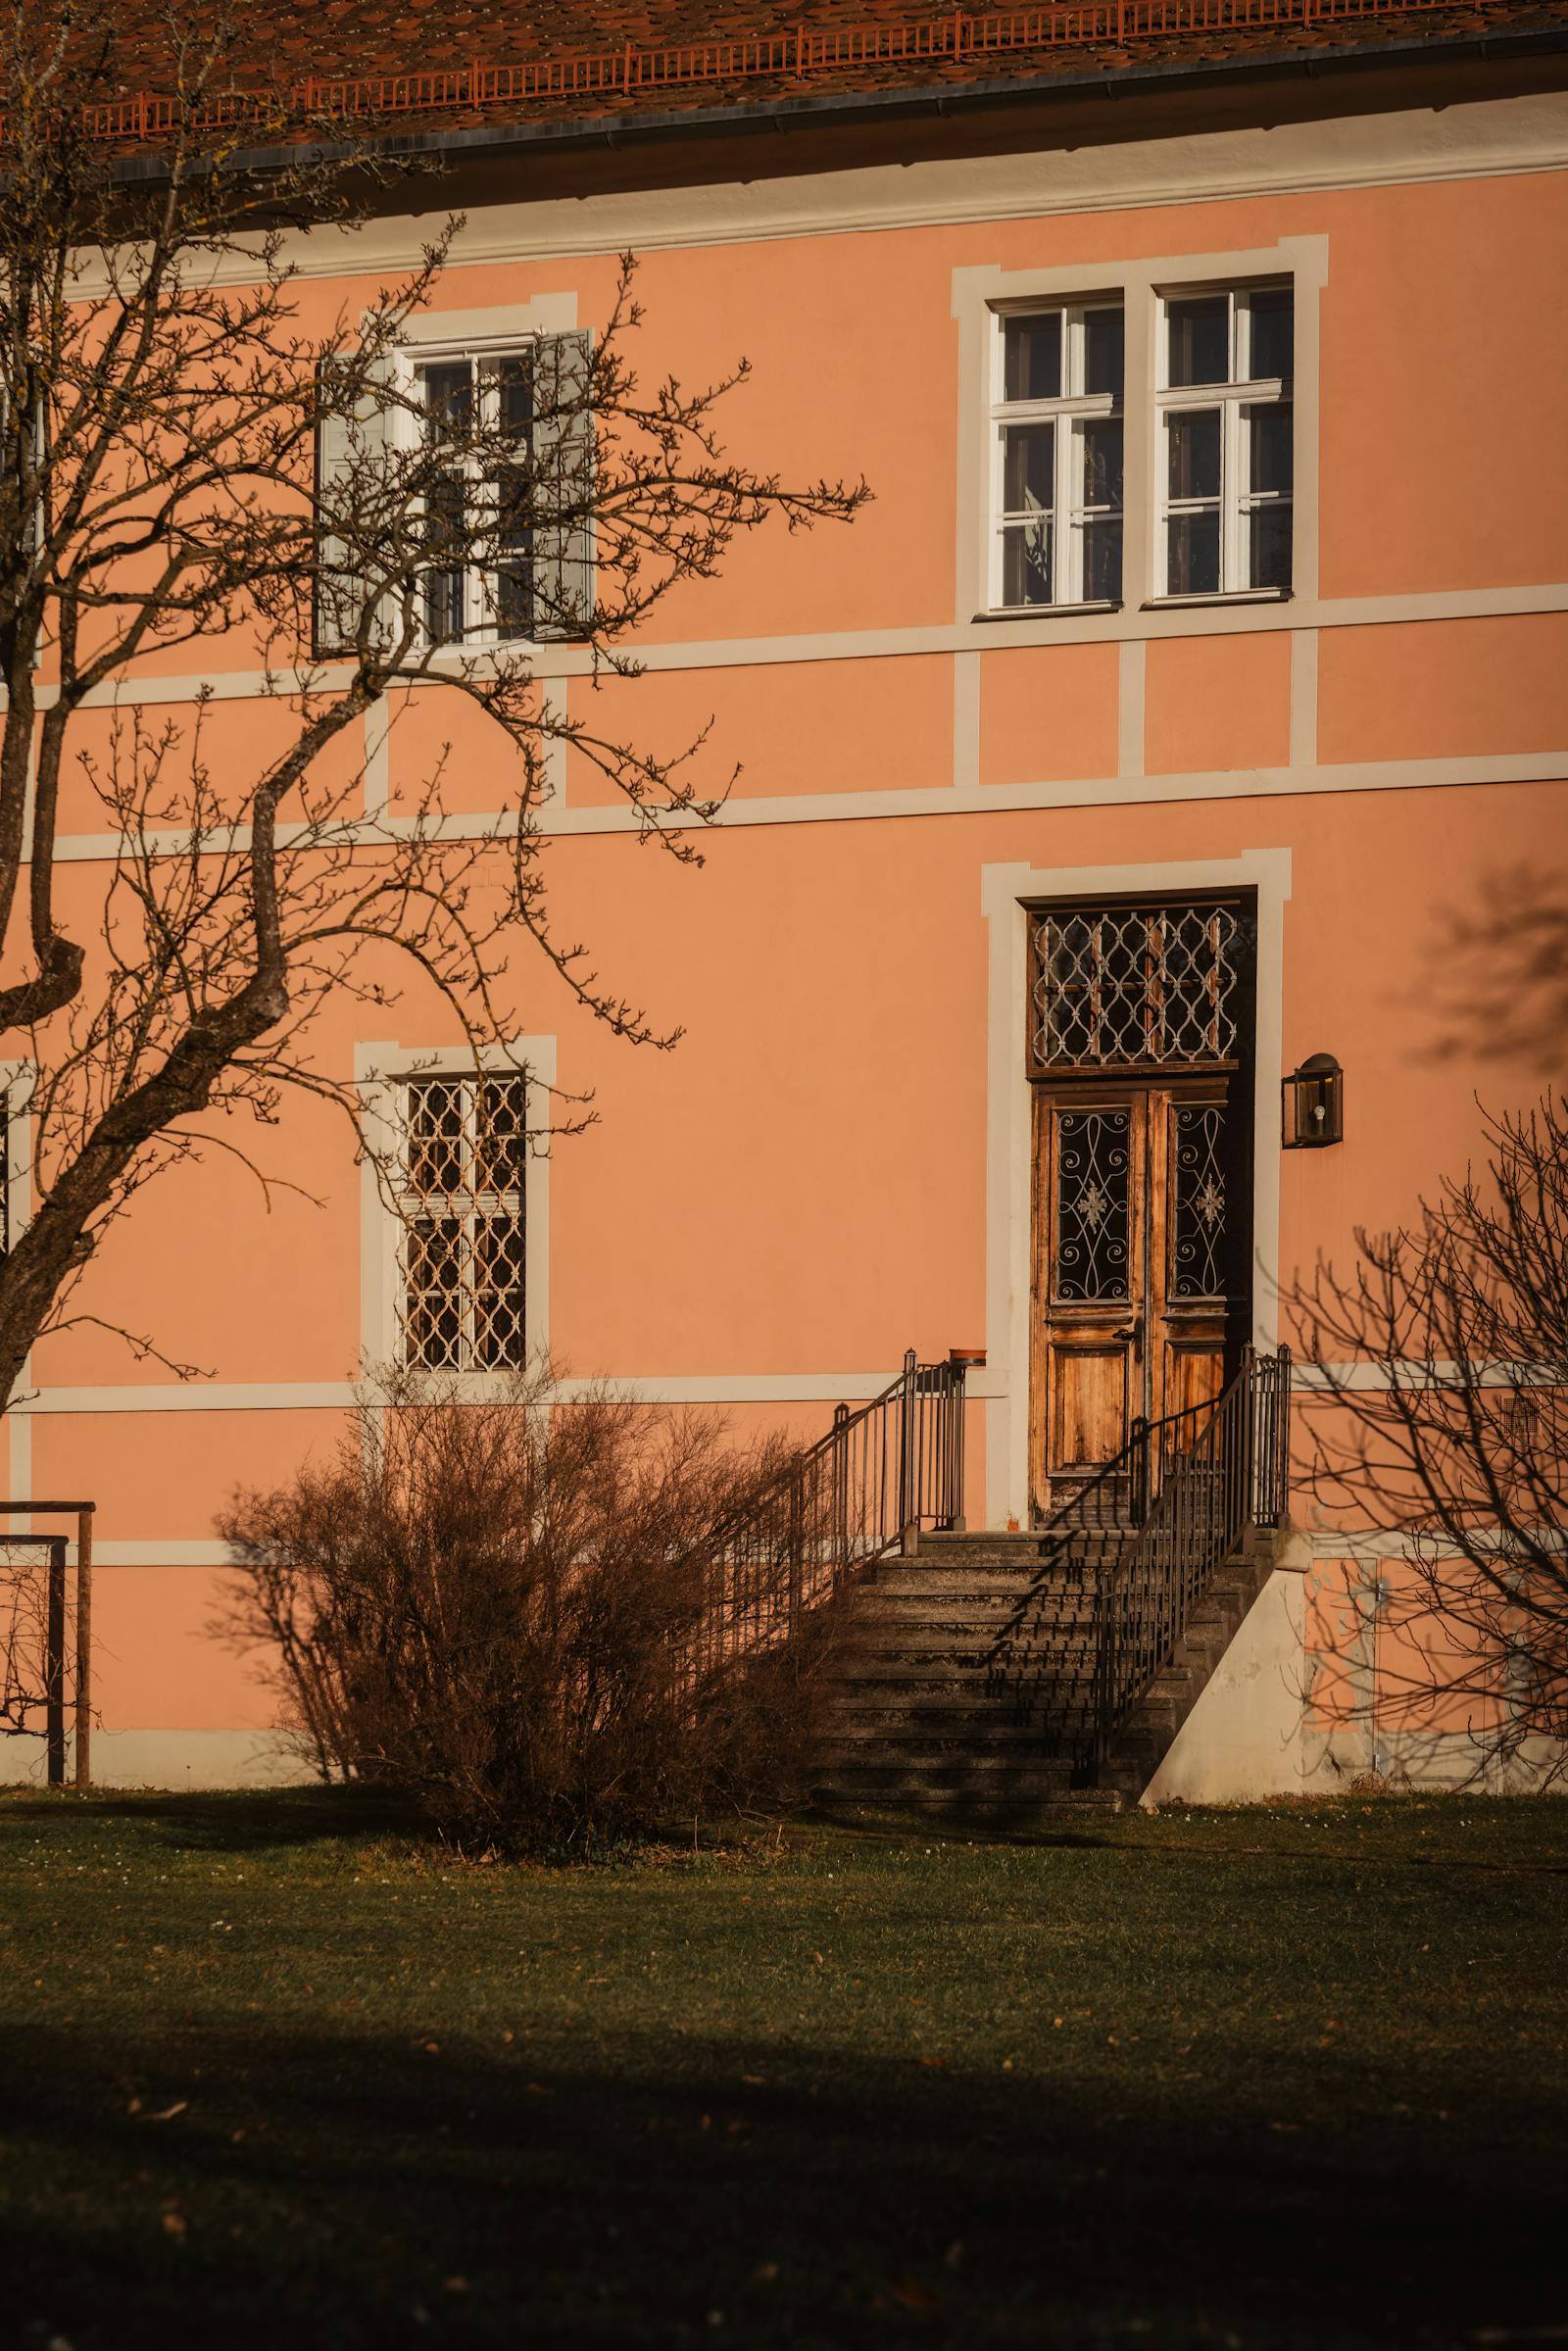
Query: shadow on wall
[(1493, 983)]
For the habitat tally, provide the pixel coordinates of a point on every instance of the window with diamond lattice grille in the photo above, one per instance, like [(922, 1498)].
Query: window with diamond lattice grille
[(1136, 987), (465, 1155)]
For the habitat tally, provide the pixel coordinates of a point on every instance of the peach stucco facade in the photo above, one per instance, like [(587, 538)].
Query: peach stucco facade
[(833, 1165)]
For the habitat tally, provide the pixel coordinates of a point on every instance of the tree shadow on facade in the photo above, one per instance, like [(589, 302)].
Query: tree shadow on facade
[(1494, 983), (322, 2187)]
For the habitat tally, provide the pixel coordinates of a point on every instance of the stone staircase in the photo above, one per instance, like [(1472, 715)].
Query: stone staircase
[(966, 1680)]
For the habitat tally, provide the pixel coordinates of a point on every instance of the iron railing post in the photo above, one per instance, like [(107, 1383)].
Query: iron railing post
[(957, 1513), (1281, 1438), (841, 1491), (797, 1542), (1139, 1497), (54, 1665), (909, 1520)]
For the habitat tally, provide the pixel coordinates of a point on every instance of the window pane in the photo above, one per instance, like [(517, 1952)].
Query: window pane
[(449, 399), (1031, 353), (434, 1297), (1199, 340), (498, 1293), (1273, 334), (1101, 562), (515, 539), (1104, 342), (1194, 438), (1271, 546), (1028, 468), (435, 1137), (443, 606), (503, 1138), (514, 397), (1192, 565), (1102, 464), (446, 528), (1270, 436), (1026, 563)]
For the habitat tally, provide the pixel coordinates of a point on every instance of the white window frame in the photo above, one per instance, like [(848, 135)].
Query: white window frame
[(382, 1073), (470, 1206), (1067, 413), (1234, 398), (484, 356)]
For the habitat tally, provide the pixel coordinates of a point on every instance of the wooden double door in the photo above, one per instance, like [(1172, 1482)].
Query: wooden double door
[(1142, 1252)]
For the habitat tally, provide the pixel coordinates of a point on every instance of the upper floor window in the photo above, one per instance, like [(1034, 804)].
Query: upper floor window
[(474, 410), (470, 480), (1226, 423), (1056, 497), (464, 1165)]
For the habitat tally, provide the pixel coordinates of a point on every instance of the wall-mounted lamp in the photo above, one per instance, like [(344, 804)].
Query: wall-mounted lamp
[(1314, 1104)]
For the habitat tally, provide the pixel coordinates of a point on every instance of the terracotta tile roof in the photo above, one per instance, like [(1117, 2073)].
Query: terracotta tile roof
[(467, 62)]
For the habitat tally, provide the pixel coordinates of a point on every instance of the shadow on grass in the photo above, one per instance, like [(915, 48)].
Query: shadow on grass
[(322, 2188), (244, 1822)]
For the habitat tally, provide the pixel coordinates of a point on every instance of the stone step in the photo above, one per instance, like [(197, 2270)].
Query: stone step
[(1039, 1781), (1007, 1649), (873, 1742), (1058, 1801), (919, 1739), (981, 1602), (870, 1671), (965, 1681), (914, 1579)]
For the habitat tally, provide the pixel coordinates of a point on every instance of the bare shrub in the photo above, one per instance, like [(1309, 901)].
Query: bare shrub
[(500, 1607)]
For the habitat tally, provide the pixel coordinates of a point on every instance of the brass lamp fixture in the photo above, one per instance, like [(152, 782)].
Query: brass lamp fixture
[(1314, 1104)]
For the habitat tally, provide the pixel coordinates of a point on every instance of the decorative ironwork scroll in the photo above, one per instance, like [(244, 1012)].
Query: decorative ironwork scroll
[(1093, 1166), (1136, 987), (1197, 1229)]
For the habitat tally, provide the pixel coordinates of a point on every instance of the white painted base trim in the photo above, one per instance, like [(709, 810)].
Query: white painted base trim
[(1250, 1736), (340, 1395), (1245, 1736), (177, 1760)]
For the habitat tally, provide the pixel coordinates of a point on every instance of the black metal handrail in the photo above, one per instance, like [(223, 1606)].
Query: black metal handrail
[(1199, 1480), (861, 1492), (1139, 1542)]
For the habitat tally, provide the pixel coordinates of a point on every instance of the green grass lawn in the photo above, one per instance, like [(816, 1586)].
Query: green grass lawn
[(277, 2073)]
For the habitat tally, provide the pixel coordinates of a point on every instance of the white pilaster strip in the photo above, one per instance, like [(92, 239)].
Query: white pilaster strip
[(1130, 675), (965, 721), (1303, 697)]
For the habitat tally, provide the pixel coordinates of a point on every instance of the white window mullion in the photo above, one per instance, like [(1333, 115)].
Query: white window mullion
[(1066, 580), (1231, 461)]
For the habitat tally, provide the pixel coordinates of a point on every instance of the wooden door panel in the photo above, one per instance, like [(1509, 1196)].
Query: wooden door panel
[(1136, 1261), (1087, 1378), (1192, 1372), (1088, 1389)]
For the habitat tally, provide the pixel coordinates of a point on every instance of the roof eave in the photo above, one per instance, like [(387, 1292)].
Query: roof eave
[(849, 107)]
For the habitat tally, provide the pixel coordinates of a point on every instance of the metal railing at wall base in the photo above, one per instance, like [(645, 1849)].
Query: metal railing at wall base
[(859, 1493)]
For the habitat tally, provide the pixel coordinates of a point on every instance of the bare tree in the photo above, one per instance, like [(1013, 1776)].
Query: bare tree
[(1444, 1358), (185, 463)]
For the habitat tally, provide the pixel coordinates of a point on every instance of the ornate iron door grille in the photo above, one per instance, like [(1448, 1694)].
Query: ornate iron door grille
[(1136, 987)]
